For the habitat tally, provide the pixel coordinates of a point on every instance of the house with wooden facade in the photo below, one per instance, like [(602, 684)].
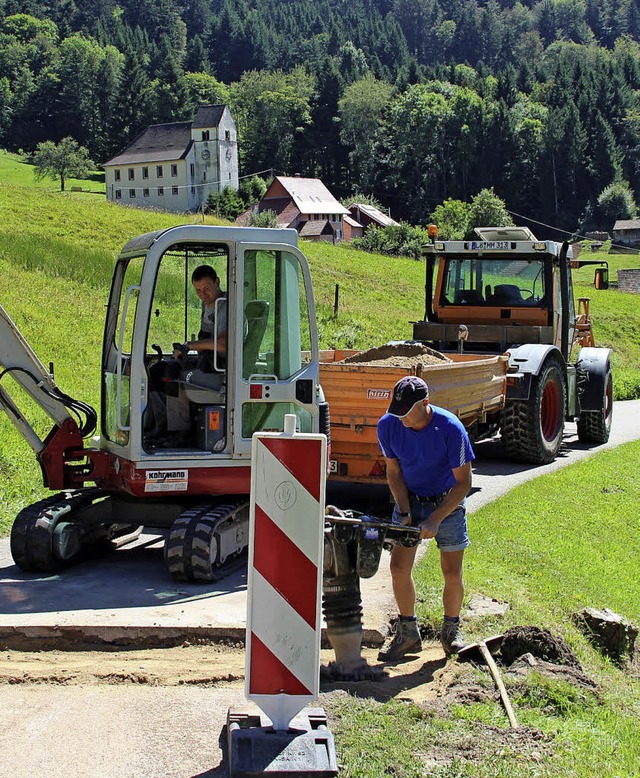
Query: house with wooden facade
[(175, 166), (306, 205), (627, 232)]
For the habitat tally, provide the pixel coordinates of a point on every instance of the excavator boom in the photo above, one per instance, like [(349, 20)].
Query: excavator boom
[(18, 360)]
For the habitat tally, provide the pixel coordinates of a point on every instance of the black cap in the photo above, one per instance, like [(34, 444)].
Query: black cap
[(406, 393)]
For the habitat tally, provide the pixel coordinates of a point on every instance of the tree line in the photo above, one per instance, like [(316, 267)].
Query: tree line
[(418, 103)]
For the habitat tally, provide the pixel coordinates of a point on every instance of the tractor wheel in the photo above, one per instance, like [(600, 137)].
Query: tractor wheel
[(595, 426), (190, 549), (532, 429)]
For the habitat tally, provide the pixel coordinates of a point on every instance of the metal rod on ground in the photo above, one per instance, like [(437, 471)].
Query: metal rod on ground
[(335, 301)]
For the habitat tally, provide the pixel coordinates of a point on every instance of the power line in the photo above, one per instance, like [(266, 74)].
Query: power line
[(566, 232)]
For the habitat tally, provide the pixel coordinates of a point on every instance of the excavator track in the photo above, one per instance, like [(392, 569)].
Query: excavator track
[(207, 542), (39, 541)]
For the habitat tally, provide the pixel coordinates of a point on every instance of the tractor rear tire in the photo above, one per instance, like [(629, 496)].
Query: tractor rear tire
[(532, 429), (595, 426)]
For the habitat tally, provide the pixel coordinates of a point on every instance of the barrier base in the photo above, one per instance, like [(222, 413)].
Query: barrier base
[(255, 748)]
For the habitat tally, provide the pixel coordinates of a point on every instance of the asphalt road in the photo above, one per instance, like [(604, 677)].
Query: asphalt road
[(160, 732)]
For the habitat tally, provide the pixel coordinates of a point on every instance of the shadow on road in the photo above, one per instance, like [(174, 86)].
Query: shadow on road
[(133, 577)]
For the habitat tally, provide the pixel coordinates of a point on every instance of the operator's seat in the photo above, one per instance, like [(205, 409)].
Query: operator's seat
[(468, 297), (506, 294), (256, 314)]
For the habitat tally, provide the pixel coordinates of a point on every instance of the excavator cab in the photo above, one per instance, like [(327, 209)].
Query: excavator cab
[(270, 367)]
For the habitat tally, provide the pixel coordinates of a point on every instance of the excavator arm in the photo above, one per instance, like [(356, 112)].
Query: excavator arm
[(73, 420)]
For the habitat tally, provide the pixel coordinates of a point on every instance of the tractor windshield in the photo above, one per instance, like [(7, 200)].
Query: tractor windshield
[(493, 282)]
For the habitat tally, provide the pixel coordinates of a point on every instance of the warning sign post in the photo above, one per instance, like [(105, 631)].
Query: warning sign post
[(284, 598)]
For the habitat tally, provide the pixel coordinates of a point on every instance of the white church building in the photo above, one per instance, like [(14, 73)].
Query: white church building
[(175, 166)]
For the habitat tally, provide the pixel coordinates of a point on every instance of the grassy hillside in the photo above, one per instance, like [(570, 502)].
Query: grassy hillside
[(538, 548)]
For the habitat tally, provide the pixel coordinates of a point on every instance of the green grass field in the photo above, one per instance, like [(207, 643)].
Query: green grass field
[(550, 547)]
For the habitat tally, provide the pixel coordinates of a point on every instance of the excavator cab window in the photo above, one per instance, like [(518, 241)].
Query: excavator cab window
[(278, 334), (176, 311), (117, 368)]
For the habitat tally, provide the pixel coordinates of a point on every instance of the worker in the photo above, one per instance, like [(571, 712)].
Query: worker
[(168, 400), (214, 319), (428, 457)]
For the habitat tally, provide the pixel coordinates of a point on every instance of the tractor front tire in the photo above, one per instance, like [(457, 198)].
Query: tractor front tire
[(532, 429), (595, 426)]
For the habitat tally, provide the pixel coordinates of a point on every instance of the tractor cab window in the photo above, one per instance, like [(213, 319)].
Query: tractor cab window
[(494, 282)]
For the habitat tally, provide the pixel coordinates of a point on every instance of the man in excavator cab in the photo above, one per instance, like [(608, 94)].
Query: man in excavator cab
[(172, 423)]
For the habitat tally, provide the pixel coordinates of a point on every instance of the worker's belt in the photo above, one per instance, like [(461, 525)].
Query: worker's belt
[(434, 499)]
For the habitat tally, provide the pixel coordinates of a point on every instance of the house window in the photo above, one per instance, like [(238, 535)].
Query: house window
[(118, 194), (132, 193), (160, 191), (159, 171), (132, 174), (193, 190), (192, 170), (174, 170), (174, 190), (145, 172), (227, 135), (117, 175), (145, 193), (205, 134)]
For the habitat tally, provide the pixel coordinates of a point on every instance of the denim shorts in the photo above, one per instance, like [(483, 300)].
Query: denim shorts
[(452, 533)]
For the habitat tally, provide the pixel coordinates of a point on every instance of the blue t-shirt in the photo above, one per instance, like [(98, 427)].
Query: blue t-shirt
[(426, 456)]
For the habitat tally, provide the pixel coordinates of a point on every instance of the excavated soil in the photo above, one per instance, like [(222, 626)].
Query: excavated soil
[(541, 643), (398, 355)]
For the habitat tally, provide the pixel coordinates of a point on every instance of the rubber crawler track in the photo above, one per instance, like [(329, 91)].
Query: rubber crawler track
[(31, 534), (187, 549)]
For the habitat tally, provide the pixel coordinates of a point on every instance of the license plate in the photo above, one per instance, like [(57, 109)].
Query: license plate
[(490, 245)]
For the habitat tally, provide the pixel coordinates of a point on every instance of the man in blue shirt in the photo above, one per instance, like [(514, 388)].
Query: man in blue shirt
[(428, 457)]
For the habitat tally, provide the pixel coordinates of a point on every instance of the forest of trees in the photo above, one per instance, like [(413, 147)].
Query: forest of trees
[(414, 102)]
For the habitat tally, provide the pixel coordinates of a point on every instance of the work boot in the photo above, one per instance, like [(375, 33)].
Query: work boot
[(404, 639), (451, 637)]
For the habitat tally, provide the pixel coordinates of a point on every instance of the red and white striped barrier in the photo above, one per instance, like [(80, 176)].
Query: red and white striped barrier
[(288, 472)]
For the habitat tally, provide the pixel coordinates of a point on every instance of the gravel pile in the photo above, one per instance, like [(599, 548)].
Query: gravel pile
[(398, 355)]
